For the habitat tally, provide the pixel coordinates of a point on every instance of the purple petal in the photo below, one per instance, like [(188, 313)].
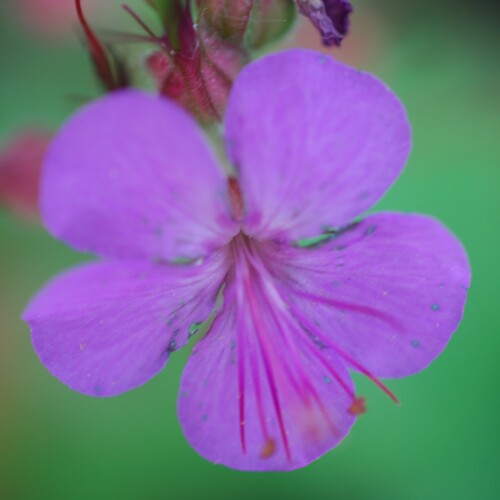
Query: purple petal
[(131, 176), (257, 393), (386, 293), (106, 328), (315, 143), (331, 18)]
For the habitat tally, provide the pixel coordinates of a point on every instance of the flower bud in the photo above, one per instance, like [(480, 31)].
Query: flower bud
[(229, 18), (195, 65), (200, 81), (20, 164), (270, 21)]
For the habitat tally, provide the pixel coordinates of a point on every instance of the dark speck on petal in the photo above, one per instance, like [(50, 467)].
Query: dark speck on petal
[(172, 346), (370, 230)]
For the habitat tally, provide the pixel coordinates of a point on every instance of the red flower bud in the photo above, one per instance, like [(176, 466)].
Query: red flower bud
[(195, 66), (20, 165)]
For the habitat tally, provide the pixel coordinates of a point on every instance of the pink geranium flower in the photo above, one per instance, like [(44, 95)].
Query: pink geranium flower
[(313, 144)]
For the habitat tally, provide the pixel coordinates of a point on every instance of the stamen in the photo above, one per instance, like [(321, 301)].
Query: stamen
[(241, 397), (293, 324), (241, 392), (235, 198), (325, 362), (312, 328), (276, 323), (305, 390), (263, 343), (260, 404), (349, 306), (242, 344), (296, 362)]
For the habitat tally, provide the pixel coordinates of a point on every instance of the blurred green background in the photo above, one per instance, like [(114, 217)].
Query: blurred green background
[(442, 443)]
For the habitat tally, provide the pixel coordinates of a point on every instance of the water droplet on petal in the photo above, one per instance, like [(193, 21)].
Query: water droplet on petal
[(435, 307)]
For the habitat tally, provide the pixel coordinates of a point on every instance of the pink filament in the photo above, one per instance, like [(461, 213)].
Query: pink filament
[(265, 349), (312, 328)]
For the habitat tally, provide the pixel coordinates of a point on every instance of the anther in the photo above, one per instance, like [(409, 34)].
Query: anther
[(235, 198), (358, 406), (269, 448)]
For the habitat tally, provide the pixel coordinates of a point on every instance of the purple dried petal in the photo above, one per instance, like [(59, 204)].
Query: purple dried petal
[(331, 18)]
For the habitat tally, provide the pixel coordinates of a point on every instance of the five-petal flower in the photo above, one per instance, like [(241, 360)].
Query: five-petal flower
[(313, 144)]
